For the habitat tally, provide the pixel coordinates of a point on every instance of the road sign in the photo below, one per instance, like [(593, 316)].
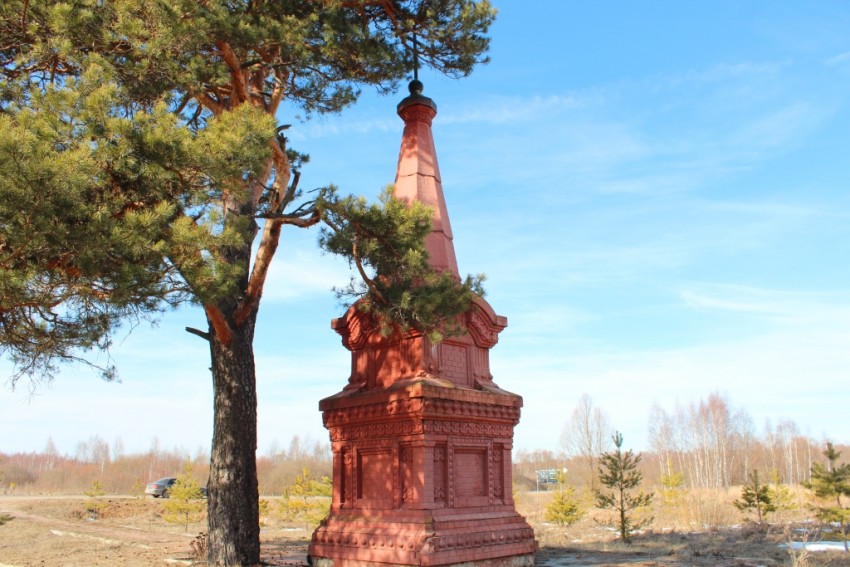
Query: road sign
[(547, 476)]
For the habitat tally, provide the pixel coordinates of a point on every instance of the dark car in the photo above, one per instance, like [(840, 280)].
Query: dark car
[(161, 487)]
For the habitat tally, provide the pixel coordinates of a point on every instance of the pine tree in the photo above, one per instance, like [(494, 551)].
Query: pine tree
[(672, 488), (780, 493), (297, 504), (93, 505), (619, 472), (832, 484), (144, 163), (756, 496), (565, 508), (184, 504)]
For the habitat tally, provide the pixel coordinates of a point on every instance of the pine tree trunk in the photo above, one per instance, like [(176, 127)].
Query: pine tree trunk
[(624, 535), (233, 497)]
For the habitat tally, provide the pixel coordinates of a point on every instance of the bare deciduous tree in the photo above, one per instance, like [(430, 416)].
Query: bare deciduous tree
[(662, 436), (585, 437)]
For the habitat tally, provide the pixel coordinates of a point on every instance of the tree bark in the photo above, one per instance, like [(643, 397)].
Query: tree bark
[(233, 494)]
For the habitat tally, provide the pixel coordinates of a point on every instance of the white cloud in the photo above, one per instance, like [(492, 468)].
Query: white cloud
[(778, 128), (840, 60), (491, 110), (811, 308)]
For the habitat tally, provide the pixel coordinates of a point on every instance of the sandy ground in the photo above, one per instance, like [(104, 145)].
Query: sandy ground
[(58, 532), (51, 531)]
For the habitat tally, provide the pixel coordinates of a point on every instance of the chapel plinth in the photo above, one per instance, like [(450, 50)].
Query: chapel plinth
[(421, 434)]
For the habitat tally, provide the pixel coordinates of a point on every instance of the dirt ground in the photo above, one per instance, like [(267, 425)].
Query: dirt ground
[(59, 532), (41, 531)]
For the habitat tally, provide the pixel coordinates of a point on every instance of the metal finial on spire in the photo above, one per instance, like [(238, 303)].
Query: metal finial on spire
[(415, 87), (415, 58)]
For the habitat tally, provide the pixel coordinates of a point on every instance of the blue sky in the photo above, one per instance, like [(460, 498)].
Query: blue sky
[(657, 192)]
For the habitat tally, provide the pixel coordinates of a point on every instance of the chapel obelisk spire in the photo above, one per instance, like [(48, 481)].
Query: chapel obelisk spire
[(418, 175)]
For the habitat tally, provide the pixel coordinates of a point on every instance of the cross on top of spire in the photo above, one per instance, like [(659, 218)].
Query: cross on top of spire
[(415, 58), (415, 86)]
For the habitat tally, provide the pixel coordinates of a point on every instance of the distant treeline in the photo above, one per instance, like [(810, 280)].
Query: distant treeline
[(48, 471), (709, 444)]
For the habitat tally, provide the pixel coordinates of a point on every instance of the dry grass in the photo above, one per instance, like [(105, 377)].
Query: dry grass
[(55, 531), (703, 529)]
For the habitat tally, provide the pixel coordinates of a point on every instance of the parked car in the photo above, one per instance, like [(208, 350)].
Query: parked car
[(161, 487)]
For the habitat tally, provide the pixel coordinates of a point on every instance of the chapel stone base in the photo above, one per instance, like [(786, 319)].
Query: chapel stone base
[(515, 561), (497, 542), (422, 477)]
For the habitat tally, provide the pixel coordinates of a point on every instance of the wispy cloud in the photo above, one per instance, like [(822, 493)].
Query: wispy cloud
[(780, 305), (319, 128), (778, 128), (485, 111), (715, 123), (772, 208), (840, 60), (500, 110)]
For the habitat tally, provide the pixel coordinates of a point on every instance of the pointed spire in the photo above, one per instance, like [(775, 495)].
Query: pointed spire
[(418, 175)]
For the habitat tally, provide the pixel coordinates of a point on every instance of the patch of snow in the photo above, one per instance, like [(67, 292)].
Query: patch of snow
[(103, 540), (816, 546)]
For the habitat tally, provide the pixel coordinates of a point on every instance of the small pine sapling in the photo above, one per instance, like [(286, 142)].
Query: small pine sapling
[(93, 505), (672, 489), (671, 493), (831, 483), (565, 508), (184, 504), (619, 472), (756, 496), (95, 490), (297, 505), (780, 493)]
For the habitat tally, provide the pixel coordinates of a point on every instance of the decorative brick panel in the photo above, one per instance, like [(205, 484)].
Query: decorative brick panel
[(405, 471), (440, 477), (345, 480), (453, 363), (374, 478), (498, 470), (470, 472)]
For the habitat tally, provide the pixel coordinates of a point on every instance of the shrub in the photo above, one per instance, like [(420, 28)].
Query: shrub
[(94, 506), (565, 508), (184, 504)]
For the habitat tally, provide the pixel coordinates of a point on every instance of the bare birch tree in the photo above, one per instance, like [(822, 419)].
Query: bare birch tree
[(585, 437)]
